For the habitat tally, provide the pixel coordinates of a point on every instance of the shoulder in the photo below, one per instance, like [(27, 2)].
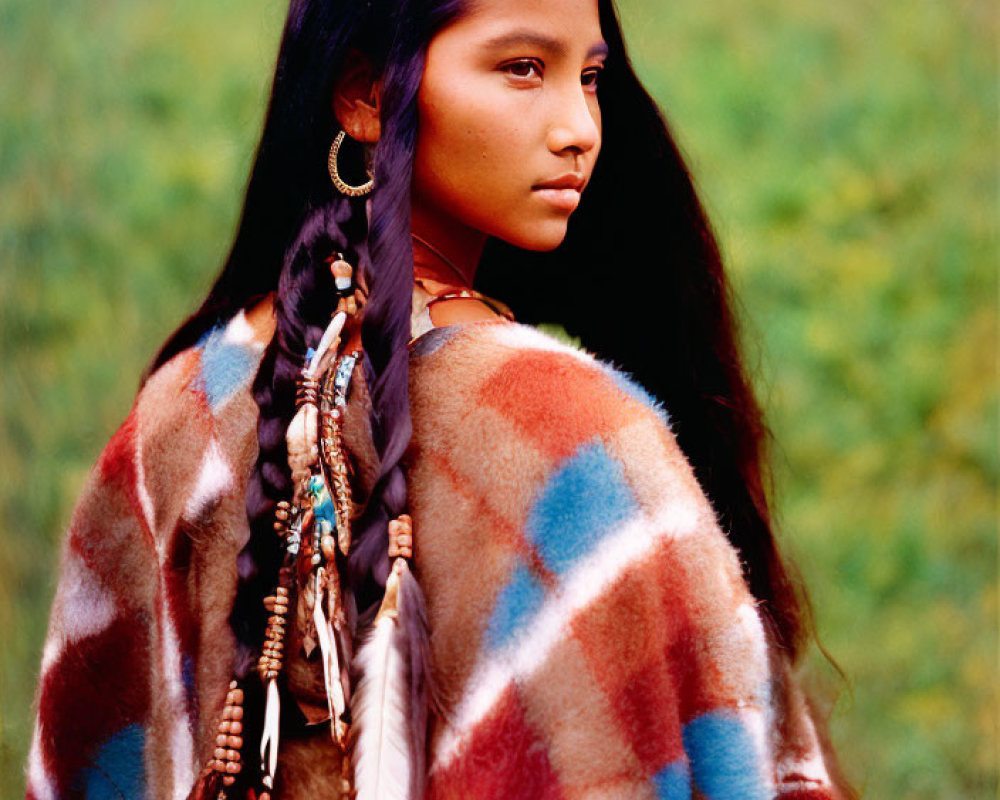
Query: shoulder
[(559, 478), (224, 358), (488, 354), (190, 436), (516, 398), (187, 444), (210, 381)]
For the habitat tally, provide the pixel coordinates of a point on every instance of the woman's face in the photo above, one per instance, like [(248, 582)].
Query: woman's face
[(508, 101)]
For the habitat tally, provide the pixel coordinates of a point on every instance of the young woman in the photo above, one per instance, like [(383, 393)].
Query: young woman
[(365, 535)]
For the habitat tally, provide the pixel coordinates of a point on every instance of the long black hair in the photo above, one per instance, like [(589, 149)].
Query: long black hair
[(640, 220)]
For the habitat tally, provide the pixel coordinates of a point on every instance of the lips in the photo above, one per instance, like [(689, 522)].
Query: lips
[(571, 180), (562, 192)]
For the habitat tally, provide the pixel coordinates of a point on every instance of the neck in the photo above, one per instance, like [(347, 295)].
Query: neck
[(459, 244)]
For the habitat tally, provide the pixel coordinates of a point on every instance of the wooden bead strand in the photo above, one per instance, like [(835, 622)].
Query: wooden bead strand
[(270, 662), (401, 537), (332, 453), (229, 739), (283, 518)]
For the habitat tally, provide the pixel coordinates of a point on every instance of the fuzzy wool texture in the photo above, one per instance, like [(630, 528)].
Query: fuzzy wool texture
[(592, 637)]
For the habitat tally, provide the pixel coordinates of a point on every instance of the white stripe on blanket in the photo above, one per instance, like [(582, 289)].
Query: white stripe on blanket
[(584, 584)]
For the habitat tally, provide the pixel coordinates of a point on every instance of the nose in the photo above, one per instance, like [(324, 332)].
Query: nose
[(576, 123)]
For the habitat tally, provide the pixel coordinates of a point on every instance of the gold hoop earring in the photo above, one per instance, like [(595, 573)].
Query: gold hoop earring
[(345, 188)]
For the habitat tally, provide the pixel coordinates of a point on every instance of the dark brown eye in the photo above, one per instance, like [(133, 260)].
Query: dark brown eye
[(522, 68), (591, 76)]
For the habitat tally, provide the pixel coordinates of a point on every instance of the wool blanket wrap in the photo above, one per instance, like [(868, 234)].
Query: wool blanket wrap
[(592, 635)]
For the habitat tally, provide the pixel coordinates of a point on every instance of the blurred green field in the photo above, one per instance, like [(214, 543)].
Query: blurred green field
[(848, 153)]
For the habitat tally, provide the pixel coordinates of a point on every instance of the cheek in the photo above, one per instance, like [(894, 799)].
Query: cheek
[(469, 147)]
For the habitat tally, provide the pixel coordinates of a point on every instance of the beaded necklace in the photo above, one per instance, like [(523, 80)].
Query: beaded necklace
[(439, 291)]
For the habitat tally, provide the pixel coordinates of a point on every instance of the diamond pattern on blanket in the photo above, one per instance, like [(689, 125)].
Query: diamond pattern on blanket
[(226, 366), (585, 498), (519, 600)]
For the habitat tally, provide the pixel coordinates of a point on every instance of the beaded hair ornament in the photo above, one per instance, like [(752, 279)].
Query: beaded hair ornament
[(368, 722)]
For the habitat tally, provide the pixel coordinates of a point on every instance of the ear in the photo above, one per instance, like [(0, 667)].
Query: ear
[(357, 97)]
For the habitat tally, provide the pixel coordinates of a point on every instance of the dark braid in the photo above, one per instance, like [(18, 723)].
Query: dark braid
[(385, 329), (304, 303)]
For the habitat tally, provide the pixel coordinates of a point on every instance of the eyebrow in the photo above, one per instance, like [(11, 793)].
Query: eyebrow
[(540, 40)]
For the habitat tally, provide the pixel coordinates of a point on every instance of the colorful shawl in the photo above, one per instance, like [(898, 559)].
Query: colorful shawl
[(592, 636)]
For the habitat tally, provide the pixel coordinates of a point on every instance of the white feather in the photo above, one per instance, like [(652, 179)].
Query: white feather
[(379, 707), (313, 370), (328, 647), (269, 741)]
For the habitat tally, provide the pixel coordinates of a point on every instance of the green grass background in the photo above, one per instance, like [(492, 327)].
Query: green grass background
[(848, 154)]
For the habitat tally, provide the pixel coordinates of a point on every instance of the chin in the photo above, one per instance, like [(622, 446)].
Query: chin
[(540, 236)]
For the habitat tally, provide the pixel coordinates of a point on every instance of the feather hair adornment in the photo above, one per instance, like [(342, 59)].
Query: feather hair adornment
[(423, 693), (269, 740), (381, 711), (416, 639), (302, 434), (335, 696), (319, 361)]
